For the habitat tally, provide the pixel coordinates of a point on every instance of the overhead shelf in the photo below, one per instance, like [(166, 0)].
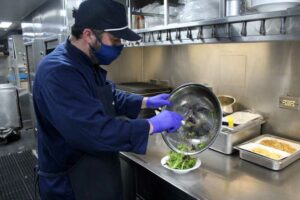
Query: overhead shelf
[(272, 26)]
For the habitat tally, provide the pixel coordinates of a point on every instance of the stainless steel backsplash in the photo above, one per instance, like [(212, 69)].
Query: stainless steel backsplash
[(257, 74)]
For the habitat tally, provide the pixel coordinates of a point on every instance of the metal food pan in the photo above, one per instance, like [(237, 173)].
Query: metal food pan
[(268, 162), (227, 139)]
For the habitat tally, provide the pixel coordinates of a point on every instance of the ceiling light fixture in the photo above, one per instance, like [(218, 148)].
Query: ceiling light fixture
[(5, 24)]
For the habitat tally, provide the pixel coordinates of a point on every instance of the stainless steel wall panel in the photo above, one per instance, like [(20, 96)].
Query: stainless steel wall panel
[(37, 26), (53, 16), (260, 72), (39, 52), (27, 31), (47, 21), (128, 68)]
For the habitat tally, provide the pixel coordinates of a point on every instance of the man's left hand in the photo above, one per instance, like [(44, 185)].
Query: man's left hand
[(158, 101)]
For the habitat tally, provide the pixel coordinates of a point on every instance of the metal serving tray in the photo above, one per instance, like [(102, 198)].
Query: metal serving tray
[(268, 162), (228, 138)]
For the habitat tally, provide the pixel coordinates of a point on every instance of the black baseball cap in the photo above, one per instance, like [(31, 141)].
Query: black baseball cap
[(104, 15)]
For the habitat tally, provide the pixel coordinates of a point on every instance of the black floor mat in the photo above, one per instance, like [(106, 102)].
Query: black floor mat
[(17, 176)]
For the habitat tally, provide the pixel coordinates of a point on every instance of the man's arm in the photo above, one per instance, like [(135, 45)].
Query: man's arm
[(127, 104), (80, 118)]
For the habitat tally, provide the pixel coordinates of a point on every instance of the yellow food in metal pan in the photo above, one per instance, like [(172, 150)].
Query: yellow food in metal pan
[(266, 153), (278, 145)]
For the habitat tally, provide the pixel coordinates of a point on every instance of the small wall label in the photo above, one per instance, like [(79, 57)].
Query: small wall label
[(288, 102)]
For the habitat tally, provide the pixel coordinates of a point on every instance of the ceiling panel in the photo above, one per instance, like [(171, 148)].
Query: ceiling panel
[(15, 11)]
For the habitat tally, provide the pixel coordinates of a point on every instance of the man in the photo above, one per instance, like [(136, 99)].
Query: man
[(79, 136)]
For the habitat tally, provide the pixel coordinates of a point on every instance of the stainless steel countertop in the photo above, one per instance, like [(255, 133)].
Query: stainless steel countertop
[(223, 177)]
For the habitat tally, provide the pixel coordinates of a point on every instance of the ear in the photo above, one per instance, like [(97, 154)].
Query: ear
[(88, 36)]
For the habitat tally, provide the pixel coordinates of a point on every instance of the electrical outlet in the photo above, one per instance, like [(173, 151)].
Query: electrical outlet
[(288, 102)]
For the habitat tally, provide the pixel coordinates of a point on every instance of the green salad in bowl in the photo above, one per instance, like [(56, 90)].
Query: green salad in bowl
[(180, 163)]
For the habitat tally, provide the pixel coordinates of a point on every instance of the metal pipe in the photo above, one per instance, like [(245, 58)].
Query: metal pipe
[(129, 13), (166, 12), (222, 8)]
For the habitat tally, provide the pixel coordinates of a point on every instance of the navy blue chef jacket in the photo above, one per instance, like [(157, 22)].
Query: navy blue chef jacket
[(71, 119)]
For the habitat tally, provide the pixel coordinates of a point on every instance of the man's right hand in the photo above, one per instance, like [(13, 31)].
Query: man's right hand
[(165, 121)]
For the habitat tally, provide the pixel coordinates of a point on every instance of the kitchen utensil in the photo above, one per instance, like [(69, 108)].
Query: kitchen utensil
[(227, 103), (203, 116)]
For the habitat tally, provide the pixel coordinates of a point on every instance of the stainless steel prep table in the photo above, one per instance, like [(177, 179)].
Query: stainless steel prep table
[(223, 177)]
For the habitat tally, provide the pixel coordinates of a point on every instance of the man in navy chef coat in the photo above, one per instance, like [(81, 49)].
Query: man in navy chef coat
[(79, 136)]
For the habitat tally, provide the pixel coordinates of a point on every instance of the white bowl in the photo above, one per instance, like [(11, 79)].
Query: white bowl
[(274, 5), (179, 171)]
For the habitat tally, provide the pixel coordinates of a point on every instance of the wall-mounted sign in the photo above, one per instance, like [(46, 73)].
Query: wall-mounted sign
[(288, 102)]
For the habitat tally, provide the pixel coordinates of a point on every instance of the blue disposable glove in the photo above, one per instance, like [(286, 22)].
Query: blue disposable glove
[(158, 101), (166, 121)]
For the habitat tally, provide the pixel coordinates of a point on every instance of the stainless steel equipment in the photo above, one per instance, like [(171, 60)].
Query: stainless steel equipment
[(227, 103), (228, 138), (202, 119), (144, 89), (268, 162), (10, 115), (235, 7), (220, 176), (17, 58)]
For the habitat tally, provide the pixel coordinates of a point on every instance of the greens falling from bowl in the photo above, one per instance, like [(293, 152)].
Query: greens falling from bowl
[(179, 160)]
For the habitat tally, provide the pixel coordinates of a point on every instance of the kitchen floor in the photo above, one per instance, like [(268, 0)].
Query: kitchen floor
[(17, 162)]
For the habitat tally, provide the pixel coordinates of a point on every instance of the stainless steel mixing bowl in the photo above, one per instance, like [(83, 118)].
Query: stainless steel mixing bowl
[(202, 119)]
